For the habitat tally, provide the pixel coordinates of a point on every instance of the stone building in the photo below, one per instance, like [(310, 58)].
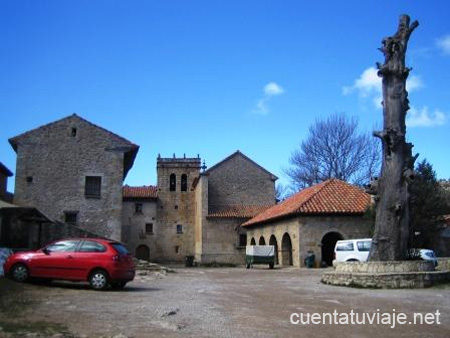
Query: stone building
[(196, 213), (139, 226), (228, 194), (73, 172), (312, 220), (4, 174)]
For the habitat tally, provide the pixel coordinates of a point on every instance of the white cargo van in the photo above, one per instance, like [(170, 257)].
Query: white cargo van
[(352, 250)]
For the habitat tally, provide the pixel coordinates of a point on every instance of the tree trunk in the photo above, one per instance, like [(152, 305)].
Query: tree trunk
[(392, 221)]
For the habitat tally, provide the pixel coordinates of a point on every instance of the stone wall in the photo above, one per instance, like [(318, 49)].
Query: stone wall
[(52, 164), (307, 232), (239, 181), (388, 275), (221, 241), (176, 208), (287, 229), (134, 232)]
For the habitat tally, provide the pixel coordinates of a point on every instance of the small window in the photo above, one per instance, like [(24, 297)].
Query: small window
[(345, 247), (138, 208), (71, 217), (179, 229), (63, 246), (184, 182), (242, 239), (149, 228), (73, 132), (176, 207), (173, 182), (29, 179), (177, 249), (93, 186), (91, 246), (364, 245)]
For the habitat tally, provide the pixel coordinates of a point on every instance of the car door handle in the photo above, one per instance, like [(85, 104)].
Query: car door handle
[(69, 256)]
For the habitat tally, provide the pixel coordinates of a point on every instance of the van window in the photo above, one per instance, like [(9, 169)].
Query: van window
[(364, 245), (345, 246)]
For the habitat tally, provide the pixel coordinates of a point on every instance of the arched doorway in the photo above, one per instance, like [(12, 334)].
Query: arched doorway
[(273, 241), (328, 244), (262, 241), (286, 250), (143, 252), (253, 242)]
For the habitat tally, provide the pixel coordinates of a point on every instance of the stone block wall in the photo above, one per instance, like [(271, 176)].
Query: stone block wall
[(52, 164), (239, 181), (134, 233), (176, 208)]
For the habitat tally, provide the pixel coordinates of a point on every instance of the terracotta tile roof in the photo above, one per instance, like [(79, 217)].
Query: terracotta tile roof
[(140, 192), (236, 211), (330, 197)]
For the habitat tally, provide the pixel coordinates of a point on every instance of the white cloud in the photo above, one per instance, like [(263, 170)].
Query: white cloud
[(270, 90), (423, 118), (368, 86), (444, 44), (273, 89)]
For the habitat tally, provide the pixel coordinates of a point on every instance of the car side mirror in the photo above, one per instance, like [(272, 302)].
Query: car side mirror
[(46, 251)]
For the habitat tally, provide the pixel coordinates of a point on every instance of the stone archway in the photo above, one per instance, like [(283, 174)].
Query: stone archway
[(328, 243), (253, 242), (286, 250), (262, 241), (143, 252), (273, 241)]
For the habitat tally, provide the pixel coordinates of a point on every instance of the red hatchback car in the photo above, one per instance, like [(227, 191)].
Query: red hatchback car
[(100, 262)]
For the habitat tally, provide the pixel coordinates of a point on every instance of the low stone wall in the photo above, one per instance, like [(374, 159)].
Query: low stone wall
[(385, 267), (443, 263), (388, 275)]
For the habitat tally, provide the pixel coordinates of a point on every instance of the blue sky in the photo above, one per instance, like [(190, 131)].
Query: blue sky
[(212, 77)]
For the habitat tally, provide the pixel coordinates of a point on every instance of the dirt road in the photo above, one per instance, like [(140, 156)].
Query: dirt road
[(225, 302)]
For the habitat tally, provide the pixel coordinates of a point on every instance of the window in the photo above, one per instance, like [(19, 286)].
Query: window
[(177, 249), (63, 246), (345, 247), (73, 132), (184, 182), (149, 228), (91, 246), (173, 182), (93, 186), (29, 179), (179, 229), (71, 217), (242, 239), (364, 245), (138, 208)]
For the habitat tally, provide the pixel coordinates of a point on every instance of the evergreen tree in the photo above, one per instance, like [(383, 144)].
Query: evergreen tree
[(428, 203)]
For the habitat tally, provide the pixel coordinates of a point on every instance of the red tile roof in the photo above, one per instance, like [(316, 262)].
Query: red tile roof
[(236, 211), (140, 192), (330, 197)]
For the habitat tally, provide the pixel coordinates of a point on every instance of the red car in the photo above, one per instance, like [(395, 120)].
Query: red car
[(100, 262)]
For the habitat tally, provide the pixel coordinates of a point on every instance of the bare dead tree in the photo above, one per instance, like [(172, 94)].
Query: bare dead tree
[(392, 220), (335, 148)]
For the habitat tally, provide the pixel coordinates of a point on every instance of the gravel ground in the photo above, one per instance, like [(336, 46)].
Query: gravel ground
[(222, 302)]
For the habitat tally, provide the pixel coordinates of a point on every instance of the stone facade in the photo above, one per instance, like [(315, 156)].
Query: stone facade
[(176, 207), (308, 233), (187, 221), (73, 171), (228, 194)]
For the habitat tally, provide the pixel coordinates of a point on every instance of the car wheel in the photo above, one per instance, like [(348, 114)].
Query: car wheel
[(118, 285), (98, 280), (19, 273)]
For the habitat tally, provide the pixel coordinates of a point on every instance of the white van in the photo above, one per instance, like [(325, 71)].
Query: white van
[(352, 250)]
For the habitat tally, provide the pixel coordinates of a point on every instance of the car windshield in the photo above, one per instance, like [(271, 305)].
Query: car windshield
[(120, 249)]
